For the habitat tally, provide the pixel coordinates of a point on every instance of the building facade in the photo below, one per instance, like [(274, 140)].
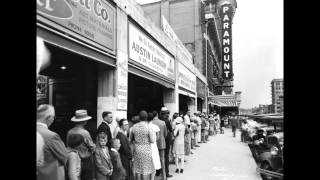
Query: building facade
[(277, 95), (109, 56), (201, 34)]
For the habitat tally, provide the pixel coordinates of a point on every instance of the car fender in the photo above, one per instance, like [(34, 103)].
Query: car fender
[(274, 161)]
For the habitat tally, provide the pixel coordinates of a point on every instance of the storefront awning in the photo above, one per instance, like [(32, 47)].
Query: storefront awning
[(223, 100)]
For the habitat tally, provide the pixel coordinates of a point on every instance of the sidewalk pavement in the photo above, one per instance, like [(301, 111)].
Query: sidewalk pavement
[(222, 158)]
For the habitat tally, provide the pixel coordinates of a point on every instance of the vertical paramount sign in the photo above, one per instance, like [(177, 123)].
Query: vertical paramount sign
[(225, 14)]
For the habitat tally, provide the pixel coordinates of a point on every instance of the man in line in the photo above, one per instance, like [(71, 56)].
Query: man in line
[(198, 135), (161, 142), (108, 126), (55, 152), (164, 116), (125, 150)]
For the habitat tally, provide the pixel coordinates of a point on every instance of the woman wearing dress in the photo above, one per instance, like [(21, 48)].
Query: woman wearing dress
[(155, 152), (178, 145), (142, 137)]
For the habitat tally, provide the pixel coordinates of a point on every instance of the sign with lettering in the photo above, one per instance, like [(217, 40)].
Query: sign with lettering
[(92, 19), (182, 50), (225, 13), (186, 78), (122, 88), (143, 50)]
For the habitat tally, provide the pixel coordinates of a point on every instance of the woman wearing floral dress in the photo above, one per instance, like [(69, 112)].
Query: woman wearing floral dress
[(142, 137), (178, 145)]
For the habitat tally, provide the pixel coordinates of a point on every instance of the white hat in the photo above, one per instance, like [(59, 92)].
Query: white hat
[(164, 109), (80, 115), (178, 120)]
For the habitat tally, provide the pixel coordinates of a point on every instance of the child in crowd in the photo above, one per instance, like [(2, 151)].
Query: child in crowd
[(103, 162), (119, 173), (74, 161)]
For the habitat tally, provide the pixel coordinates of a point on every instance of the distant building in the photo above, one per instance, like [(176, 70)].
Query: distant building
[(263, 109), (277, 95)]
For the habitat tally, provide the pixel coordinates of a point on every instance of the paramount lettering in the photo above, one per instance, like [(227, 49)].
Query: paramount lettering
[(226, 42), (226, 18), (226, 66), (226, 57), (225, 34), (225, 14)]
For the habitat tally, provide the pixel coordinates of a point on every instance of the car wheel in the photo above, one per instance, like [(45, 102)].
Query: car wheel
[(266, 166)]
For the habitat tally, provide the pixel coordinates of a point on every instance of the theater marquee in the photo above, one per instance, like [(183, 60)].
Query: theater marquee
[(225, 14)]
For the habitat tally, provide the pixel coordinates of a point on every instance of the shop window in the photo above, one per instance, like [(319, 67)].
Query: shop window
[(42, 90)]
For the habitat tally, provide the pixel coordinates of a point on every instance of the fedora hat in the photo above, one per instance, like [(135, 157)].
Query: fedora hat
[(164, 109), (80, 115)]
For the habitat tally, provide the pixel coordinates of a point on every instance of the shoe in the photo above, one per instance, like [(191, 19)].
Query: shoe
[(169, 176), (177, 170), (181, 171), (200, 142), (185, 161), (191, 152), (196, 146)]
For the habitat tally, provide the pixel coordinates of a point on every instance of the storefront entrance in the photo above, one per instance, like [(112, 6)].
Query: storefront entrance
[(143, 94), (199, 104), (71, 85), (183, 103)]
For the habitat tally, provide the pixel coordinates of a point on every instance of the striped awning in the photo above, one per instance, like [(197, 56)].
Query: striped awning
[(224, 101)]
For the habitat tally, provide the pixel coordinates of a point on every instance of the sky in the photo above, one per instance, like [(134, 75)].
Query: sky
[(257, 37)]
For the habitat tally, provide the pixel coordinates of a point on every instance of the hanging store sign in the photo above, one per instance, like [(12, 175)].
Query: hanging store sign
[(146, 52), (122, 88), (168, 30), (182, 50), (226, 11), (92, 19), (186, 78)]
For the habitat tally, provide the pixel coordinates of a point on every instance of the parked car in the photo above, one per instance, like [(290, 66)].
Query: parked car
[(267, 149), (271, 162)]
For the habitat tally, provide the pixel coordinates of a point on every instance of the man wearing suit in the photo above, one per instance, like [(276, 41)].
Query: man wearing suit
[(161, 142), (55, 152), (164, 116), (125, 150), (108, 126)]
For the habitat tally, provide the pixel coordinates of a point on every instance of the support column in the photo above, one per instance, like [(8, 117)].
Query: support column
[(122, 65), (106, 98), (171, 101), (191, 105)]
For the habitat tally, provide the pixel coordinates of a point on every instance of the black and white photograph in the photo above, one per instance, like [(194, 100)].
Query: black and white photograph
[(159, 90)]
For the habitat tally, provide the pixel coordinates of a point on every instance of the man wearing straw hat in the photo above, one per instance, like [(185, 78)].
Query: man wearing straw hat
[(80, 119)]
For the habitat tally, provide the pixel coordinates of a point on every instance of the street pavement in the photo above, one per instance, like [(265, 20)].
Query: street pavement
[(222, 158)]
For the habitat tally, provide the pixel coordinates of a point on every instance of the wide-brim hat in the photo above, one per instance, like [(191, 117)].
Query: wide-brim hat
[(178, 120), (81, 115), (165, 109)]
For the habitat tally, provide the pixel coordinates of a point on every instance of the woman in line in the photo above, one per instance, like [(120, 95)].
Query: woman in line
[(142, 137), (178, 146), (155, 152)]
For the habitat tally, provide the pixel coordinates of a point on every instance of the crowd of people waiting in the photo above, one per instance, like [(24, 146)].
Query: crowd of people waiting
[(140, 148)]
